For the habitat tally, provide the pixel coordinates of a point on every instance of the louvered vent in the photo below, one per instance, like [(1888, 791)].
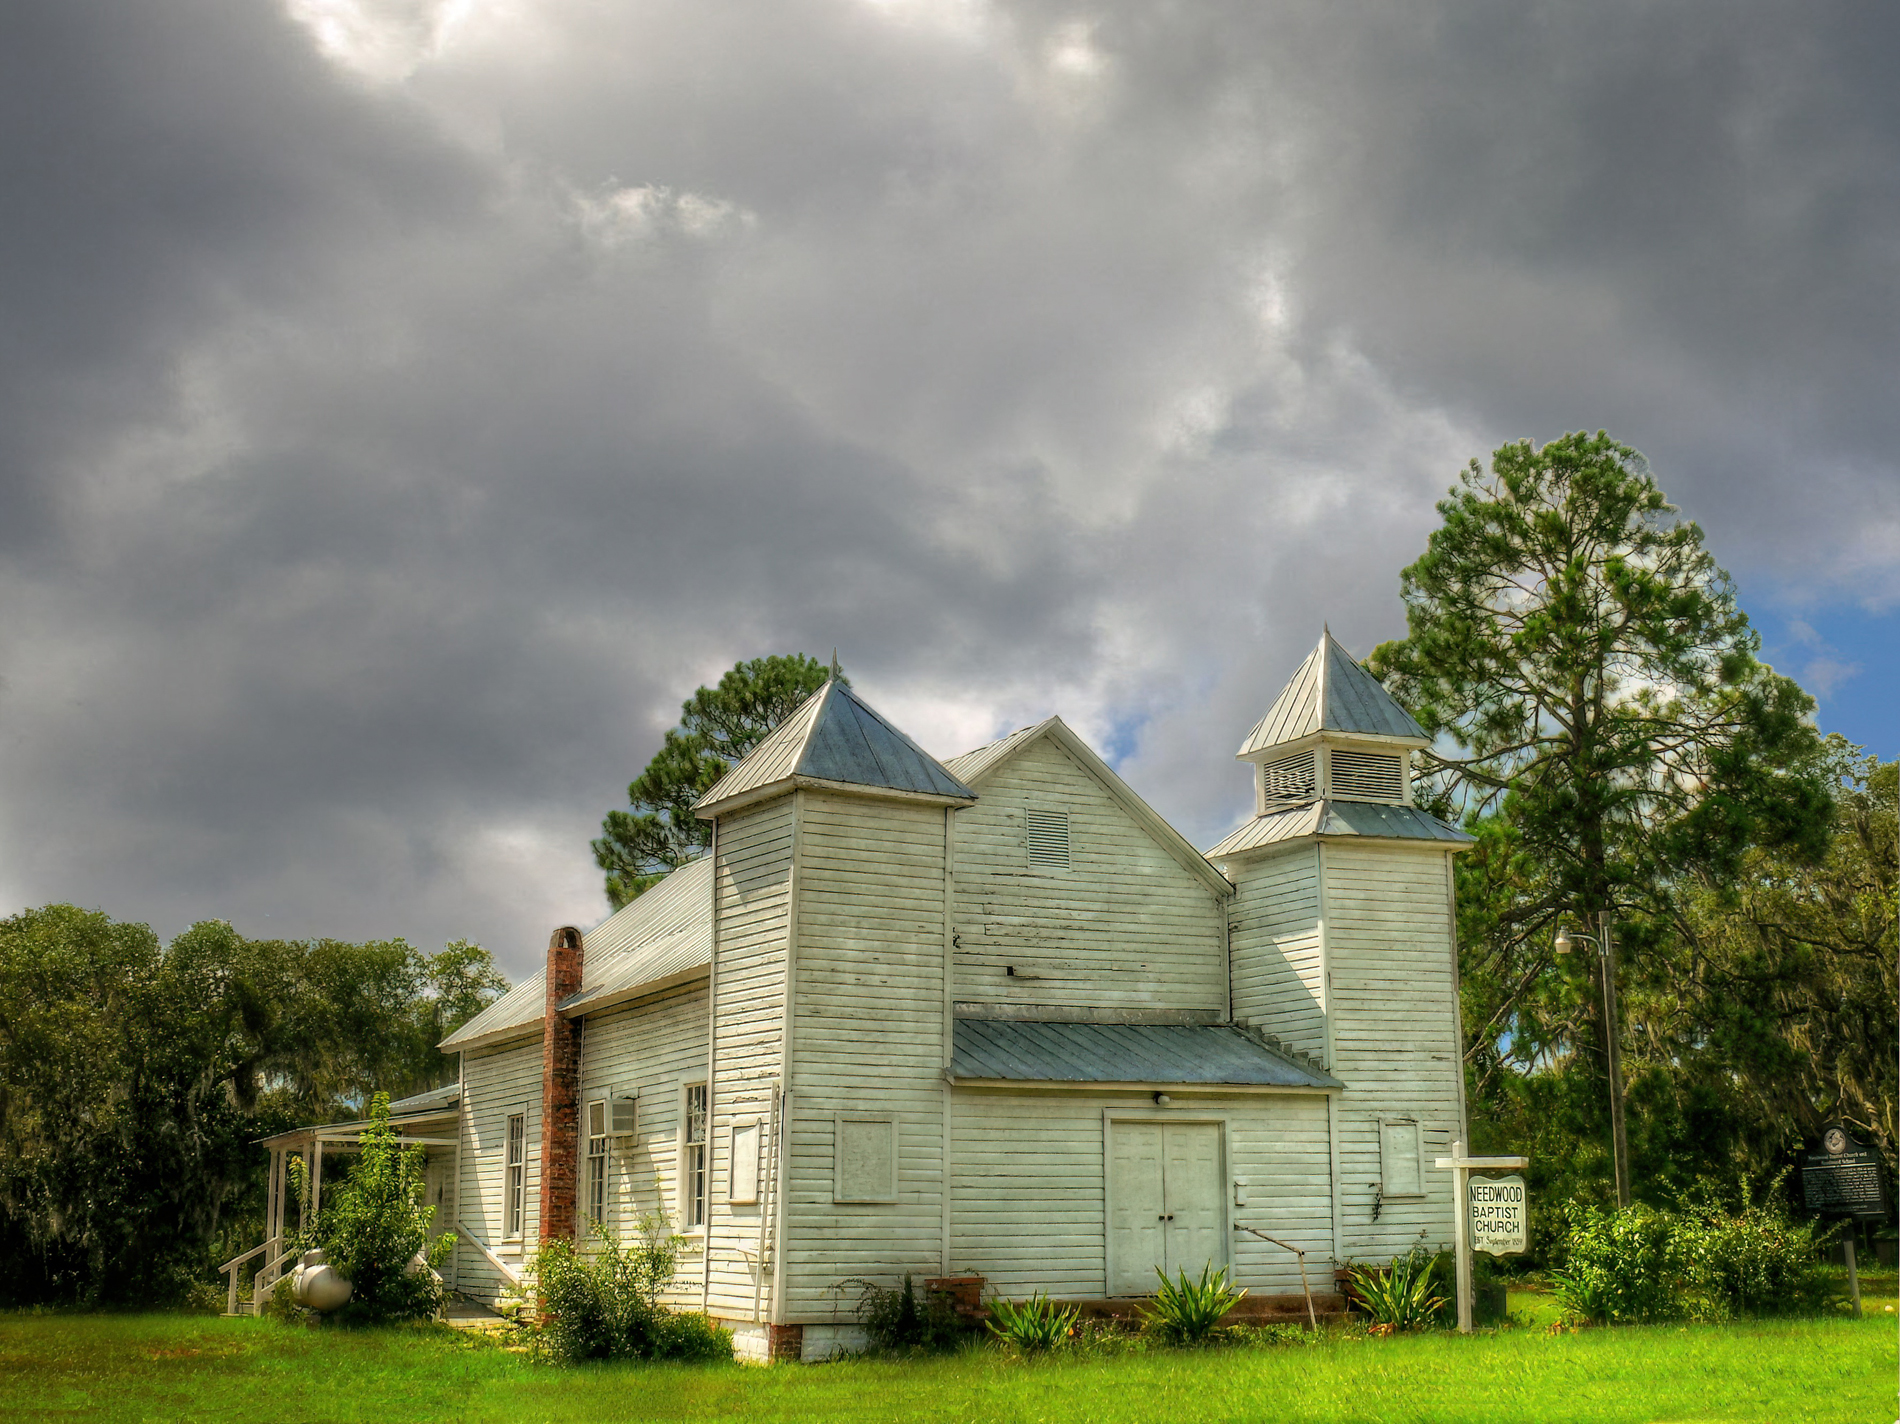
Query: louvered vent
[(1290, 778), (1048, 838), (1368, 776)]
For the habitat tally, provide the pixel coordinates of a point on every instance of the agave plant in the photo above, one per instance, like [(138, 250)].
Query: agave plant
[(1404, 1295), (1187, 1312), (1034, 1325)]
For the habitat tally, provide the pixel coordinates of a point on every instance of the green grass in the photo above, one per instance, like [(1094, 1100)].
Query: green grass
[(141, 1367)]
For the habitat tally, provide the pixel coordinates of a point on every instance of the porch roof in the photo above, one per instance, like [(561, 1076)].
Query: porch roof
[(1014, 1051)]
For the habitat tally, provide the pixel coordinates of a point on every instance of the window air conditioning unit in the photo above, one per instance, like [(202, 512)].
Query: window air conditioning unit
[(623, 1117)]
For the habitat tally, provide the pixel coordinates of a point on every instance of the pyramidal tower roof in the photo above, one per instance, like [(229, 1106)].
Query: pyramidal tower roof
[(836, 738), (1331, 693)]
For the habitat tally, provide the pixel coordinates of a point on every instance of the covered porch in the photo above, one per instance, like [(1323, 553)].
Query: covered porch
[(427, 1120)]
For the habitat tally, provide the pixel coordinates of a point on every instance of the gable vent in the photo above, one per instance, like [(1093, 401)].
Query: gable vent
[(1048, 838), (1368, 776), (1290, 778)]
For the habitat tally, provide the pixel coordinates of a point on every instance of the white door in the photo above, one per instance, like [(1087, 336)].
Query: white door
[(1137, 1209), (1197, 1224), (1166, 1207)]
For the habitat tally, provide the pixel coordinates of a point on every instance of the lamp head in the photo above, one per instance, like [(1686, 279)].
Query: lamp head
[(1564, 942)]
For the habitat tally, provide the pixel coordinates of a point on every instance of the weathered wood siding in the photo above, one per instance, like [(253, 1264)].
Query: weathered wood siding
[(867, 1040), (752, 900), (1275, 943), (496, 1082), (1389, 952), (1125, 926), (1029, 1199), (646, 1048)]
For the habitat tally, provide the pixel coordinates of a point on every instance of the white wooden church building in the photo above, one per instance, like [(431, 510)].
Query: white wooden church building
[(988, 1016)]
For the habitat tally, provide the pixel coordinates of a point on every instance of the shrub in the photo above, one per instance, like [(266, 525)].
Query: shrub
[(1035, 1326), (897, 1320), (374, 1229), (1750, 1260), (1621, 1267), (1188, 1312), (1403, 1296), (605, 1305)]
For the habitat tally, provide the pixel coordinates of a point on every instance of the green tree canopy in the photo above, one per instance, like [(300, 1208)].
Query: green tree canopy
[(135, 1079), (718, 726), (1606, 728)]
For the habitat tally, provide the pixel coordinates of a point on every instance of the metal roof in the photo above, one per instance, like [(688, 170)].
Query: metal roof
[(1331, 693), (435, 1100), (835, 736), (1338, 818), (1009, 1050), (972, 767), (664, 933)]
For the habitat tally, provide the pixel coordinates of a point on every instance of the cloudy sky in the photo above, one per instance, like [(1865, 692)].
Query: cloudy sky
[(405, 403)]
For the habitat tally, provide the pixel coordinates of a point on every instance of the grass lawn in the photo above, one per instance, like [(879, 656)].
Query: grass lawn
[(139, 1367)]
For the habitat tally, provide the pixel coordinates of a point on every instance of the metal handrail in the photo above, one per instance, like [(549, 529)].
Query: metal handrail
[(1311, 1318)]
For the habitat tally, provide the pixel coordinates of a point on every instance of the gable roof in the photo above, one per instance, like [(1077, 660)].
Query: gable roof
[(1331, 693), (834, 738), (1338, 818), (663, 937), (1009, 1050), (977, 766)]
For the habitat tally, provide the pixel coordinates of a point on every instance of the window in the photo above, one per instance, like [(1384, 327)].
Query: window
[(597, 1161), (865, 1165), (743, 1185), (515, 1177), (1401, 1163), (1288, 778), (693, 1156), (1048, 838), (1368, 776)]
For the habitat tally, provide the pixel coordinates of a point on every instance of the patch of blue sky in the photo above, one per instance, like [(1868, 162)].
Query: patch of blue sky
[(1848, 659)]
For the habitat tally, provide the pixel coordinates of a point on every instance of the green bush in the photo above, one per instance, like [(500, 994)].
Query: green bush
[(1402, 1296), (374, 1228), (1034, 1326), (1189, 1312), (605, 1305), (1621, 1267), (897, 1320), (1753, 1259)]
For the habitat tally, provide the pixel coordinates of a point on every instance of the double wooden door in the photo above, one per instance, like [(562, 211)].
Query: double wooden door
[(1166, 1208)]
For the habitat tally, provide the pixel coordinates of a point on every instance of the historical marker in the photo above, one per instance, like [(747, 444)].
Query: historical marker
[(1500, 1224), (1843, 1178)]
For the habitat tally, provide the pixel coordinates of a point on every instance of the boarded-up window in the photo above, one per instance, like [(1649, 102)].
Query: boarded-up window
[(1401, 1163), (1368, 776), (1288, 778), (743, 1187), (866, 1166), (1048, 838)]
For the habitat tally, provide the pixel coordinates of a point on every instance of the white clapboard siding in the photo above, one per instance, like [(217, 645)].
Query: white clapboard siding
[(646, 1049), (867, 1040), (1125, 925), (1276, 947), (1029, 1199), (1389, 950), (752, 890), (496, 1082)]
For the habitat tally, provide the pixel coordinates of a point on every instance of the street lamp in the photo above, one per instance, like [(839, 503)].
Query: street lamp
[(1605, 944)]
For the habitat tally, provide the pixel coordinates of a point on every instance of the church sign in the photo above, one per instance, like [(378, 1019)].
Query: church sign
[(1499, 1223), (1841, 1177)]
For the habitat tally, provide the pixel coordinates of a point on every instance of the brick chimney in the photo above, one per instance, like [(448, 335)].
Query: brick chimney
[(560, 1088)]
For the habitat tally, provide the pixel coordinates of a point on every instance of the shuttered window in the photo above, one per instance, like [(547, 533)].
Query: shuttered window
[(1289, 778), (1401, 1162), (1368, 776), (1048, 838)]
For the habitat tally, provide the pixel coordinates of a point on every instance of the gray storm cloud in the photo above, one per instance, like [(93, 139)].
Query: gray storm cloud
[(403, 405)]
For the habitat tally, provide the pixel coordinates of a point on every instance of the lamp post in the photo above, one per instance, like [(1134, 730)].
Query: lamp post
[(1605, 944)]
